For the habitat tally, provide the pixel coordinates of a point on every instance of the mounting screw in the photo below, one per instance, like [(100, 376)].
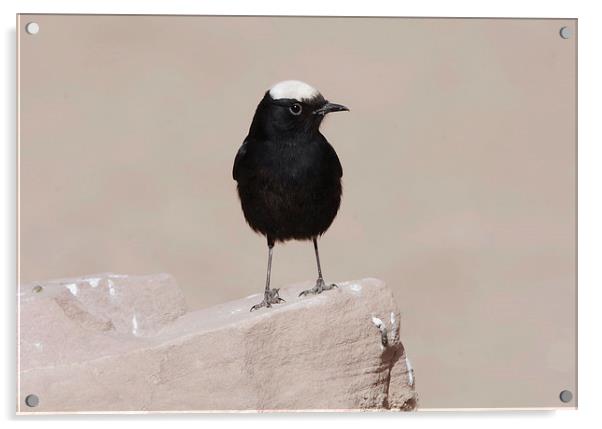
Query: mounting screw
[(32, 400), (566, 396), (566, 32), (32, 28)]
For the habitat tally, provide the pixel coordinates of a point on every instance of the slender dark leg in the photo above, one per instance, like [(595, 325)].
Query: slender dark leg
[(320, 286), (317, 257), (269, 273), (270, 295)]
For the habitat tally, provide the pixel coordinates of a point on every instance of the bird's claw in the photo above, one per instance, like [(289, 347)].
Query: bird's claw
[(320, 287), (271, 297)]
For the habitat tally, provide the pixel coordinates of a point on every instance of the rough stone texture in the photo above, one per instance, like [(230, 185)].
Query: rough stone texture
[(124, 343)]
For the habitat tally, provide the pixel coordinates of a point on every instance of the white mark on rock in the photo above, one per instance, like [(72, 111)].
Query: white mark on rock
[(94, 282), (394, 327), (72, 288), (355, 288), (111, 288), (384, 341), (38, 346), (410, 372), (134, 325)]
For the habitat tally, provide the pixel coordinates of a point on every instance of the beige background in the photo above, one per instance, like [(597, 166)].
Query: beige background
[(459, 184)]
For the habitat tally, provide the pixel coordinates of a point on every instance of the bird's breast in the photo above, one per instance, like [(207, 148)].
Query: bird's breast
[(292, 194), (293, 163)]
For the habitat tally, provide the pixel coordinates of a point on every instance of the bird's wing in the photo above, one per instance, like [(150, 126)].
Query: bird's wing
[(334, 159), (238, 161)]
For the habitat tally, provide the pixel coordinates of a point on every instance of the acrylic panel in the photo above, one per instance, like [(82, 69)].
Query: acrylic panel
[(454, 247)]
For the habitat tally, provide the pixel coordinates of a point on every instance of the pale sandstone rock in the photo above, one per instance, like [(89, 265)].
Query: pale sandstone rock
[(124, 343)]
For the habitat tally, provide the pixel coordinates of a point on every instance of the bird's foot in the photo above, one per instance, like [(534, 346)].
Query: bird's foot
[(271, 297), (320, 287)]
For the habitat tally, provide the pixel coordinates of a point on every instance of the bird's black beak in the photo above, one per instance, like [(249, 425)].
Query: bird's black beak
[(330, 107)]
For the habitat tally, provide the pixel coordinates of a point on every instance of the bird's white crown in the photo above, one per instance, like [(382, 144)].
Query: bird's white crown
[(294, 89)]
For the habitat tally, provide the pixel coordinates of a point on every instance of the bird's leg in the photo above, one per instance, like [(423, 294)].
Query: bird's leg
[(271, 295), (321, 285)]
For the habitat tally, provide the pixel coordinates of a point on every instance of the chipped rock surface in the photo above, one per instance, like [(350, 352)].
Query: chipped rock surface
[(127, 343)]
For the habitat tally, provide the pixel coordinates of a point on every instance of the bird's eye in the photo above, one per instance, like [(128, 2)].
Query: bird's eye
[(295, 109)]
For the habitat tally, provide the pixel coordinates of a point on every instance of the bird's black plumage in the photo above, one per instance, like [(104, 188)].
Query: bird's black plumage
[(289, 176)]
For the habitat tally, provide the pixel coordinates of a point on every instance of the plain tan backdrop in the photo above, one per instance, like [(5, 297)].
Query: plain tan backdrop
[(459, 159)]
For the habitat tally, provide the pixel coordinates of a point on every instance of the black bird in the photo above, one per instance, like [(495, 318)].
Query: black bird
[(289, 176)]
